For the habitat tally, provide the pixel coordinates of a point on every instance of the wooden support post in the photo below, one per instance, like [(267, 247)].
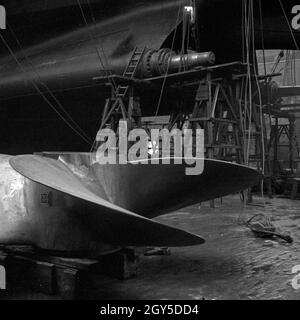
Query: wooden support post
[(62, 276), (276, 137), (67, 282), (210, 132), (291, 147)]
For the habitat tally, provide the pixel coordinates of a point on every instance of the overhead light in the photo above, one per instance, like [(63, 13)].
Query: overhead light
[(191, 11), (2, 18)]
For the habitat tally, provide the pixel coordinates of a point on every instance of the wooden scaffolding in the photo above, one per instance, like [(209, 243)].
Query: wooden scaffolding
[(234, 124)]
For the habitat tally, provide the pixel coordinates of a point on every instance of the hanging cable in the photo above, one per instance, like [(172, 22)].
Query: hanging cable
[(167, 71), (249, 53), (262, 35), (40, 92), (101, 47), (264, 58), (259, 93), (288, 23), (46, 87), (110, 80), (294, 69), (262, 120), (249, 84), (262, 126)]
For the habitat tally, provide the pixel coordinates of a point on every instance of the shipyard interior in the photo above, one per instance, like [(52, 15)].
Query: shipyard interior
[(150, 150)]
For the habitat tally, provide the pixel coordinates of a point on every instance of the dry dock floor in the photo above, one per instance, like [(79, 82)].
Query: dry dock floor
[(232, 264)]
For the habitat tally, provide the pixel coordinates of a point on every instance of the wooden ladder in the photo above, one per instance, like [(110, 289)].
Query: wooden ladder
[(116, 105), (130, 71)]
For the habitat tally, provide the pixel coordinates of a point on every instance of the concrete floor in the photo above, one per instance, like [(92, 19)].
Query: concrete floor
[(233, 264)]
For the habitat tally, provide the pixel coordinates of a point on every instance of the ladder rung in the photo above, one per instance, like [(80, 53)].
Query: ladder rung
[(133, 63), (223, 146), (224, 120), (213, 119), (254, 133), (121, 91)]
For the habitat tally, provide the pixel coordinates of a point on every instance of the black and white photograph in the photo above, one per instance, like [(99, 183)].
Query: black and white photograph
[(149, 151)]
